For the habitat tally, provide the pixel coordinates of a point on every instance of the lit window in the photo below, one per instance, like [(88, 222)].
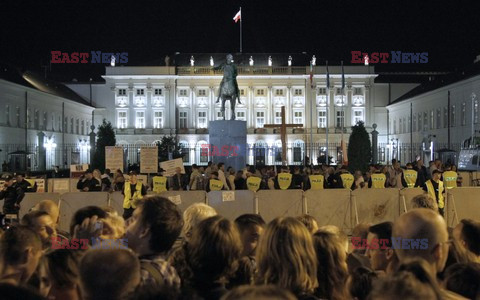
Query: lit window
[(357, 116), (183, 119), (260, 119), (298, 117), (202, 119), (322, 119), (340, 119), (140, 119), (122, 119), (158, 119), (431, 120)]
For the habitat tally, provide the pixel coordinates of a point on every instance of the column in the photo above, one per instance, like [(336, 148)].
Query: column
[(211, 104), (193, 108), (348, 107), (171, 105), (289, 103), (250, 108), (130, 110), (269, 105), (374, 144), (369, 105)]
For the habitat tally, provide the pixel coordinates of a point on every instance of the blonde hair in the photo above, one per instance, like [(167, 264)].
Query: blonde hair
[(193, 215), (286, 256)]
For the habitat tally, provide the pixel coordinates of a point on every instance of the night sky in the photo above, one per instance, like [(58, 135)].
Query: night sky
[(148, 30)]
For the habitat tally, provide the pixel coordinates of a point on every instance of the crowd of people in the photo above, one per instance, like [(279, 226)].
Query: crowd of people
[(199, 254)]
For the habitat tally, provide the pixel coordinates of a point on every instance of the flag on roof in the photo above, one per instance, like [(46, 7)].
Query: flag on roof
[(238, 16)]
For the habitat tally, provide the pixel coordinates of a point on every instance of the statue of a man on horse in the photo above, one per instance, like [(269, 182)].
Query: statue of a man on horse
[(229, 86)]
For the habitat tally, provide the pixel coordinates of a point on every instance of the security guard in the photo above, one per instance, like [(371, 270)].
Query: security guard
[(214, 184), (345, 179), (283, 180), (450, 178), (159, 182), (410, 177), (13, 195), (434, 187), (253, 182), (377, 180), (316, 181), (133, 192)]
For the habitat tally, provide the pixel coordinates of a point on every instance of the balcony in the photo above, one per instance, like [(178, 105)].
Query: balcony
[(121, 131), (261, 130), (244, 70), (201, 131)]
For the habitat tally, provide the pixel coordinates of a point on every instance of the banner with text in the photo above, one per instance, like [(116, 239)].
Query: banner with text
[(170, 165), (114, 158), (148, 160)]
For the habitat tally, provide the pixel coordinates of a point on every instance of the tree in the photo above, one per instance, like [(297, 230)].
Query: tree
[(359, 149), (168, 144), (105, 137)]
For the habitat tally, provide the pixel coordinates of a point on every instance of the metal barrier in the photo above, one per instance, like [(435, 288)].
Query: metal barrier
[(31, 199), (330, 207), (278, 203), (375, 205)]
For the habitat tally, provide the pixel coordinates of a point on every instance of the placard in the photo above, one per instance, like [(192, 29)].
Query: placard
[(228, 196), (177, 199), (40, 185), (170, 165), (148, 160), (114, 158), (61, 185), (78, 168)]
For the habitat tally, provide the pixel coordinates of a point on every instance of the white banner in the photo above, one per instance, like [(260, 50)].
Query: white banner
[(148, 160), (114, 158), (170, 165)]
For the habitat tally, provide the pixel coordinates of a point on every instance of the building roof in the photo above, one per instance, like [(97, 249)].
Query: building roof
[(441, 81), (35, 81)]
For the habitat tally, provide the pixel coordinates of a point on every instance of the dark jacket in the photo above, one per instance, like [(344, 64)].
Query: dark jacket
[(93, 185), (183, 182), (13, 195), (26, 186)]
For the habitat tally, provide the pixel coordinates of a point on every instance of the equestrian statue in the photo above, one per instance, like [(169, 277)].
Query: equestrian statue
[(229, 86)]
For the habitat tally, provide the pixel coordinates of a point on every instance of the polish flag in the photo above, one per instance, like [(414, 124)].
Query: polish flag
[(238, 16)]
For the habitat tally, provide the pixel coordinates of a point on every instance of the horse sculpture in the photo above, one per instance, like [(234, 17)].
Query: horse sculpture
[(229, 86)]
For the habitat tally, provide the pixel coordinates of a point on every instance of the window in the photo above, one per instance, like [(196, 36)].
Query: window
[(242, 92), (432, 125), (140, 119), (183, 93), (185, 151), (29, 118), (260, 119), (122, 119), (298, 117), (400, 125), (202, 93), (357, 91), (203, 153), (202, 119), (53, 121), (71, 125), (219, 115), (419, 128), (278, 117), (83, 127), (322, 91), (394, 126), (158, 92), (297, 153), (278, 92), (240, 115), (7, 114), (298, 92), (475, 112), (260, 92), (414, 127), (409, 124), (340, 119), (158, 119), (322, 119), (439, 118), (452, 117), (122, 92), (88, 126), (140, 92), (45, 120), (445, 117), (65, 125), (339, 91), (183, 119), (77, 126), (60, 124), (463, 117), (425, 121)]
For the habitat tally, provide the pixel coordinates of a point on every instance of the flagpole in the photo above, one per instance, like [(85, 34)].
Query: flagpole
[(343, 112), (241, 29), (328, 103)]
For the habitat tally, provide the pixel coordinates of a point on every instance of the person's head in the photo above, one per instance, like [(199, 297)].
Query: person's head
[(438, 163), (401, 286), (50, 207), (97, 174), (88, 174), (213, 250), (214, 175), (343, 237), (259, 292), (332, 267), (286, 256), (113, 225), (436, 174), (221, 166), (86, 212), (360, 231), (379, 258), (8, 181), (42, 224), (239, 175), (193, 215), (310, 222), (107, 172), (209, 164), (133, 177), (394, 162), (20, 177), (62, 270), (316, 170), (424, 201), (467, 234), (40, 279), (118, 172), (360, 283), (250, 227), (194, 167), (155, 225), (296, 170), (419, 224), (232, 171), (109, 274), (20, 251), (229, 59), (409, 166), (463, 279)]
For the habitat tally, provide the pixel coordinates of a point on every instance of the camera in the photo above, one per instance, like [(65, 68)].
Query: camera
[(8, 220)]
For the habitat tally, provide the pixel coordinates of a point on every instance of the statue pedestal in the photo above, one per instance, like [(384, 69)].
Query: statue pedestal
[(228, 143)]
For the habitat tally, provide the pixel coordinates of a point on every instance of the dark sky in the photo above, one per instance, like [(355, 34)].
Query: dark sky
[(448, 30)]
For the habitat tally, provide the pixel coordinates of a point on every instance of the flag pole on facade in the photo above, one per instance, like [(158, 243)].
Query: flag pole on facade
[(328, 103), (344, 152), (236, 18)]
